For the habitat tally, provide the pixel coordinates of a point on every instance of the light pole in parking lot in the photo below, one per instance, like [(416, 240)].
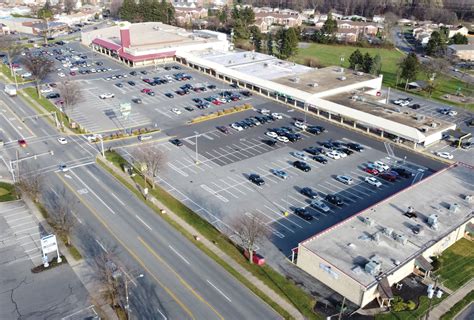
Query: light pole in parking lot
[(127, 304), (196, 160)]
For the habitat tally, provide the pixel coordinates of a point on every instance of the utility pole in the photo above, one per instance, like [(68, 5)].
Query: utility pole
[(127, 305), (342, 308)]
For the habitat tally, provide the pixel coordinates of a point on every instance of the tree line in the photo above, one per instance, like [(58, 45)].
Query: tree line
[(146, 11), (365, 62)]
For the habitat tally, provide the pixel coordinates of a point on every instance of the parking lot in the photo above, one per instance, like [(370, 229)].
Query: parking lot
[(210, 173)]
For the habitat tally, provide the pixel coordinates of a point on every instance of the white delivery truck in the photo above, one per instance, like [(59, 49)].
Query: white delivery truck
[(10, 90)]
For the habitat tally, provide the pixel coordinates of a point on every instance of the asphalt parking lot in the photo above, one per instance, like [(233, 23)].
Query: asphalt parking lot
[(218, 187)]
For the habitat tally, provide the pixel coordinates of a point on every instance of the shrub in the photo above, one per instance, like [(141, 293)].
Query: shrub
[(411, 305)]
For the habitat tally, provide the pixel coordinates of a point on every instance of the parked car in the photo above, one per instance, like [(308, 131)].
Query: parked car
[(255, 178), (303, 166), (223, 129), (106, 95), (137, 100), (320, 159), (373, 181), (334, 199), (279, 173), (320, 205), (313, 150), (302, 213), (176, 142), (345, 179), (22, 143), (388, 176), (355, 146), (445, 155), (308, 192), (53, 95), (299, 155), (402, 172)]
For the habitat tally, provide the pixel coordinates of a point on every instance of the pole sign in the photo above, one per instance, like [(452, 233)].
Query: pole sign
[(49, 244)]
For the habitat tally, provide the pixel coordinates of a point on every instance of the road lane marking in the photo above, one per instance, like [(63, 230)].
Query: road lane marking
[(158, 257), (133, 254), (219, 290), (121, 202), (101, 245), (144, 223), (178, 254)]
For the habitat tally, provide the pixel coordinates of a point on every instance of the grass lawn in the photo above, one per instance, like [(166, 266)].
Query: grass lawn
[(7, 192), (457, 264), (331, 54), (282, 286), (410, 315)]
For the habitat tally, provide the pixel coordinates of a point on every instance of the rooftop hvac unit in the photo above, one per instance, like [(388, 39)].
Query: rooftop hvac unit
[(295, 80), (433, 125), (387, 231), (469, 198), (417, 229), (368, 221), (399, 237), (265, 64), (454, 207), (341, 78), (433, 221), (373, 267), (420, 117), (376, 237)]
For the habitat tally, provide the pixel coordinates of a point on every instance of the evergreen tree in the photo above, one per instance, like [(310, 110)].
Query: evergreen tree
[(256, 38), (356, 60), (367, 63), (330, 25), (437, 44), (459, 39), (376, 65), (409, 68), (128, 10), (270, 44), (287, 40)]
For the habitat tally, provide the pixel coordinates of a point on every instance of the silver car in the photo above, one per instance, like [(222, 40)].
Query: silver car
[(320, 205), (345, 179)]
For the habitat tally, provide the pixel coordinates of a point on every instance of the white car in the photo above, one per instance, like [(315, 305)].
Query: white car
[(236, 127), (404, 103), (61, 75), (320, 205), (283, 139), (62, 140), (74, 69), (276, 115), (300, 125), (46, 89), (344, 179), (271, 134), (26, 75), (106, 95), (373, 181), (333, 155), (340, 153), (168, 77), (398, 101), (445, 155), (63, 168), (452, 113), (176, 110), (264, 111), (299, 155), (380, 166)]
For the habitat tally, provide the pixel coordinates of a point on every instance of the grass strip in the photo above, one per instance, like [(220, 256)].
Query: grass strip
[(456, 264), (459, 306), (277, 282), (7, 192)]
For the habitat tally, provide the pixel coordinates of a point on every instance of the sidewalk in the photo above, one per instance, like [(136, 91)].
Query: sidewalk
[(231, 262), (82, 270), (450, 301)]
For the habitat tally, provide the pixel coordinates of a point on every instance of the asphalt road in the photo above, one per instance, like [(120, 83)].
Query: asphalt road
[(187, 284), (467, 313)]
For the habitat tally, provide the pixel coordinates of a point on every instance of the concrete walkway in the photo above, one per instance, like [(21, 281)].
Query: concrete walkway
[(231, 262), (450, 301)]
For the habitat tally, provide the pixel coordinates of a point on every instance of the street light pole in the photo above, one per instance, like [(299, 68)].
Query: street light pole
[(127, 306), (196, 160)]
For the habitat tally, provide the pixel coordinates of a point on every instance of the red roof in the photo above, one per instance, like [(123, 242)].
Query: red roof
[(106, 44), (133, 58)]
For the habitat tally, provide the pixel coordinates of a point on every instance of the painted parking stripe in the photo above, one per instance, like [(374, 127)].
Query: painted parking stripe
[(172, 166), (339, 190), (218, 196), (240, 185), (272, 220), (277, 233), (230, 185), (220, 189)]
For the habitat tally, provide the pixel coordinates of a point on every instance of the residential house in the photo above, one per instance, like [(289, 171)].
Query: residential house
[(378, 19), (185, 16), (349, 31), (288, 20), (462, 51), (261, 25), (458, 29)]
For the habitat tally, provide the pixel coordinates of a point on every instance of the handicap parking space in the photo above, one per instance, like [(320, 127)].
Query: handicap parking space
[(210, 173)]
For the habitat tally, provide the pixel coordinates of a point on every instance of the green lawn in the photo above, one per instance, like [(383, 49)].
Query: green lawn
[(7, 192), (331, 54), (457, 264), (410, 315)]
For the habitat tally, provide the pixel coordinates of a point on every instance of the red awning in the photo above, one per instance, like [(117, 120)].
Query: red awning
[(145, 57), (106, 44)]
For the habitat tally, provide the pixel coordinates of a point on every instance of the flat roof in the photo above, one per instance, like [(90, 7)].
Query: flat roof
[(349, 245), (370, 104), (320, 80)]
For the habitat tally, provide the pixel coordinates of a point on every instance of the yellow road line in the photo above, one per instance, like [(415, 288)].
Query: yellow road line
[(179, 277), (142, 264)]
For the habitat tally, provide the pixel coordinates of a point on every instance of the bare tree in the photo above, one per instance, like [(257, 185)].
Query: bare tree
[(249, 229), (71, 94), (69, 6), (150, 161), (109, 276), (29, 181), (11, 47), (115, 6), (39, 67), (62, 214)]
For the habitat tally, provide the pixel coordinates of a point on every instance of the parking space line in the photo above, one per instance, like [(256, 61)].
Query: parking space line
[(225, 189), (277, 221), (339, 191), (228, 184), (242, 185), (172, 166), (218, 196), (184, 166)]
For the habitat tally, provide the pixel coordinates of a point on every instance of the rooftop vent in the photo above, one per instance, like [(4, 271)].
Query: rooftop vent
[(265, 64), (295, 79), (387, 231), (454, 207), (373, 267), (368, 221), (420, 117), (351, 245), (399, 237), (356, 269), (417, 229), (434, 124), (469, 198), (433, 221)]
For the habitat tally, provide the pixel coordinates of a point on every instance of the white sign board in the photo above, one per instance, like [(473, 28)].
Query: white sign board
[(49, 244)]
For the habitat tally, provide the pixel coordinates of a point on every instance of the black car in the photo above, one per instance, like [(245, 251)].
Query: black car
[(302, 213), (355, 146), (176, 142), (53, 96), (335, 200), (211, 87), (197, 100), (415, 106), (246, 93), (293, 137), (119, 84), (310, 193), (133, 73), (328, 145), (313, 130), (404, 173), (234, 85), (137, 100), (167, 68), (255, 178), (269, 142), (223, 129), (169, 95), (320, 159), (189, 108), (303, 166), (143, 72), (132, 83), (313, 150), (345, 150)]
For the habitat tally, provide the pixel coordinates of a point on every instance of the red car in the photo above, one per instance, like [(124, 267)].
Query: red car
[(388, 176), (72, 73), (146, 90), (372, 171), (22, 143), (216, 102), (147, 80), (257, 259)]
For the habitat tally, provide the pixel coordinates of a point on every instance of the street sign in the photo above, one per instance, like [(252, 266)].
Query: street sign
[(49, 244)]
